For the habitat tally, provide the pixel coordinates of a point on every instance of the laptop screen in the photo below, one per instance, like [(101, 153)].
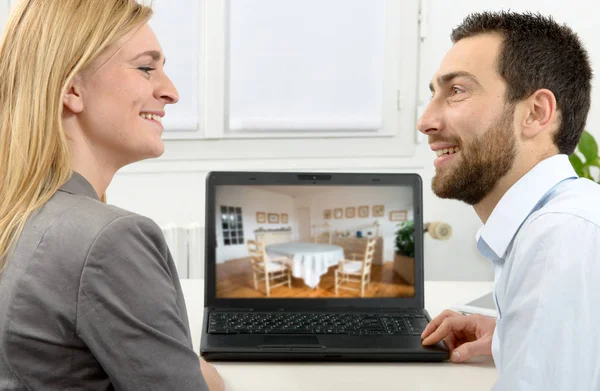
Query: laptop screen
[(314, 242)]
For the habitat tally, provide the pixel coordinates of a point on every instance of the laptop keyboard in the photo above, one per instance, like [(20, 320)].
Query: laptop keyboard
[(403, 323)]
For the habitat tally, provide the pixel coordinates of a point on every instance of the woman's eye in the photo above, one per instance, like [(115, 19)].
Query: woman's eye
[(146, 69)]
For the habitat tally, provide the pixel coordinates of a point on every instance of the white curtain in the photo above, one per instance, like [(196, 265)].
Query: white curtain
[(306, 65)]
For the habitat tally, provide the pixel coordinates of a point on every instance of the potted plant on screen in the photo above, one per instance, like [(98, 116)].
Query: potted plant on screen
[(404, 256), (585, 159)]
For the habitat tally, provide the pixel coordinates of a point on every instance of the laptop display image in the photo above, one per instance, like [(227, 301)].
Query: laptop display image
[(306, 241), (314, 266)]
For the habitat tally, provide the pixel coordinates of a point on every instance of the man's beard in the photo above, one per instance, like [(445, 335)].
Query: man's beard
[(483, 162)]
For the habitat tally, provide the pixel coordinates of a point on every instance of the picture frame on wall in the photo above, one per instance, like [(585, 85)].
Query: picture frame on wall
[(363, 211), (350, 212), (261, 217), (284, 218), (327, 214), (338, 213), (398, 215), (378, 210), (273, 218)]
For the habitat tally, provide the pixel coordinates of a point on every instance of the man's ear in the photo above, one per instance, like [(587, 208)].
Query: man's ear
[(539, 113), (73, 98)]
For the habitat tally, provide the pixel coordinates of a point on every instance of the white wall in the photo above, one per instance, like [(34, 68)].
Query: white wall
[(172, 190), (177, 190), (4, 9)]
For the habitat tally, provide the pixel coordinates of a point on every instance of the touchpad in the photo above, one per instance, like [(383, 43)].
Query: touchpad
[(290, 340)]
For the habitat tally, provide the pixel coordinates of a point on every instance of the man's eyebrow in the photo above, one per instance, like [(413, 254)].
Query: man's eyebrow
[(448, 77), (154, 54)]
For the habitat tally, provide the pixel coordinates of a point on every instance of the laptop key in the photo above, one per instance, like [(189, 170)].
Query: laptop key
[(417, 325)]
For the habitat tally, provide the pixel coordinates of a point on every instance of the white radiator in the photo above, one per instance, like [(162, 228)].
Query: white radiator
[(186, 243)]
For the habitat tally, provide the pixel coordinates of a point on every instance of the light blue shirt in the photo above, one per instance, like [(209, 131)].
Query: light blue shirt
[(543, 238)]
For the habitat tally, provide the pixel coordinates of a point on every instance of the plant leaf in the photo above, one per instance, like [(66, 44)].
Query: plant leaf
[(586, 172), (577, 164), (595, 163), (588, 146)]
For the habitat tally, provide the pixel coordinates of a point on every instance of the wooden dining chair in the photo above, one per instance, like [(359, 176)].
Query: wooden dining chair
[(356, 270), (274, 271)]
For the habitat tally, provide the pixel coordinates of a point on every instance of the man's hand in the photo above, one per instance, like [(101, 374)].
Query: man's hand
[(211, 376), (466, 336)]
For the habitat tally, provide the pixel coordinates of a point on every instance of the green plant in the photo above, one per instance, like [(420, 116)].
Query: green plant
[(586, 157), (405, 240)]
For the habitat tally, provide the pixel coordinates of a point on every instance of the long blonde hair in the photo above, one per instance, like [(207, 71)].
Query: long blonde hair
[(44, 45)]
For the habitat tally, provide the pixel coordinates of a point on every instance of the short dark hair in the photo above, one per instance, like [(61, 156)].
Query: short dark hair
[(539, 53)]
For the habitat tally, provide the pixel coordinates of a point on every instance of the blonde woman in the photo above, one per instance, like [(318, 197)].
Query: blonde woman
[(89, 295)]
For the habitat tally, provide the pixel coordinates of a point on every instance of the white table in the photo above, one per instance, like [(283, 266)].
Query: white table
[(309, 260), (250, 376)]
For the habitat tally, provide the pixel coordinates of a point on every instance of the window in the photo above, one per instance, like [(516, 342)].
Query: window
[(232, 224), (338, 79), (182, 49), (322, 72), (4, 11)]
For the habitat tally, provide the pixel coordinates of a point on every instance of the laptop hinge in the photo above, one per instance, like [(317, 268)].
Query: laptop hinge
[(351, 309)]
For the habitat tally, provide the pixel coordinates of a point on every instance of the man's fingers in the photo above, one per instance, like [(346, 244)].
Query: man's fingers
[(435, 322), (466, 351), (450, 341), (447, 326)]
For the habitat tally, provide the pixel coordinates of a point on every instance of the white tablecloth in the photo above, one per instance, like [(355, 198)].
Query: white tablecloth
[(309, 260)]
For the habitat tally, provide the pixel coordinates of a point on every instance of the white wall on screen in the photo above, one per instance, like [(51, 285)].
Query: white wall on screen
[(275, 199), (251, 200), (304, 223), (392, 198)]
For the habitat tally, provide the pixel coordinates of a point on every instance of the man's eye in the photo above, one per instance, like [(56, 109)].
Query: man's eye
[(146, 69), (456, 90)]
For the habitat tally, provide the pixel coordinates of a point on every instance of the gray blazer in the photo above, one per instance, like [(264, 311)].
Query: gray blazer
[(90, 300)]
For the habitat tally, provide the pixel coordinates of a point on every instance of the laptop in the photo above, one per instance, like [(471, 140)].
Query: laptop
[(303, 266)]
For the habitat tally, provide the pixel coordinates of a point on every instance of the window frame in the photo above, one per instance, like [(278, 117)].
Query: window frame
[(214, 84), (230, 233)]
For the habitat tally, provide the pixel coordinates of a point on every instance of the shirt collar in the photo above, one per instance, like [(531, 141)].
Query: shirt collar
[(80, 186), (520, 200)]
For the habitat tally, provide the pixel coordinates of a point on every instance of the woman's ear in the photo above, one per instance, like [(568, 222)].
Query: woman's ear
[(73, 98)]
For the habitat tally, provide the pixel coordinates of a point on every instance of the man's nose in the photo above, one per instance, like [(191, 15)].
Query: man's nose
[(430, 119)]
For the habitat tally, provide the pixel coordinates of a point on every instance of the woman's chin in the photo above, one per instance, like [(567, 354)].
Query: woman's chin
[(156, 148), (159, 150), (151, 152)]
